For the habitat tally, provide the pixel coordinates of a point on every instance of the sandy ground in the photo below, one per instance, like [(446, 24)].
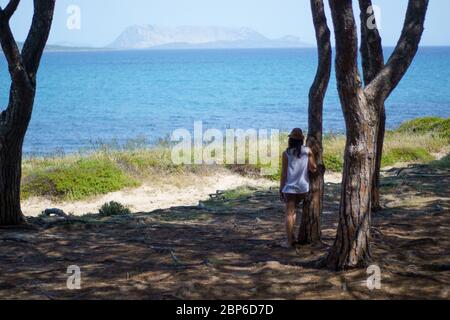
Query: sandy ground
[(229, 249), (149, 197)]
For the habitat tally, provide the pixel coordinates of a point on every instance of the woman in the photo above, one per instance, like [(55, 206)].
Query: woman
[(298, 160)]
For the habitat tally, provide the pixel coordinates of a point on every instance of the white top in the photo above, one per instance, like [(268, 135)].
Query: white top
[(297, 181)]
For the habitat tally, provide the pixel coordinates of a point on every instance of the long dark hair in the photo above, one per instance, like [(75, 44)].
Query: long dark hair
[(295, 146)]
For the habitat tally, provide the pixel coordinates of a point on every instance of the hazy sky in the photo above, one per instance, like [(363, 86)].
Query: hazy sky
[(103, 20)]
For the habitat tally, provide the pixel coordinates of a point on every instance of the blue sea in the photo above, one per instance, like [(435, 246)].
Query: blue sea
[(86, 98)]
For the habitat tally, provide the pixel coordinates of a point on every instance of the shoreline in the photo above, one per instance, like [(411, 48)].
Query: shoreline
[(148, 179), (141, 141)]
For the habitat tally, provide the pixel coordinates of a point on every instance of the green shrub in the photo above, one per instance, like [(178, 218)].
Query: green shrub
[(406, 154), (113, 209), (333, 162), (38, 184), (78, 180), (437, 125)]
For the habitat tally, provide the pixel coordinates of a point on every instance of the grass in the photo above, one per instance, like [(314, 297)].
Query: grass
[(412, 146), (406, 154), (443, 163), (233, 194), (83, 175), (414, 141), (237, 193), (108, 169), (333, 152)]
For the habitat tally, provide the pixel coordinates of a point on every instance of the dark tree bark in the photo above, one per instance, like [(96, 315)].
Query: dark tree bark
[(373, 62), (381, 129), (373, 67), (371, 48), (14, 121), (361, 108), (351, 246), (312, 209)]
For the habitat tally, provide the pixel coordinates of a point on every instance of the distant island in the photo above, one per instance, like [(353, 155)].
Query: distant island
[(56, 48), (187, 37)]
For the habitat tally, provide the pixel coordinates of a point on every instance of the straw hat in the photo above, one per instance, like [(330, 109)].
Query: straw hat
[(297, 134)]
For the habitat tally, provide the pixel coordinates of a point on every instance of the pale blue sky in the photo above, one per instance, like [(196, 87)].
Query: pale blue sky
[(103, 20)]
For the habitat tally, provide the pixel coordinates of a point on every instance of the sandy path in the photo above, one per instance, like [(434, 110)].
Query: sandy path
[(149, 197)]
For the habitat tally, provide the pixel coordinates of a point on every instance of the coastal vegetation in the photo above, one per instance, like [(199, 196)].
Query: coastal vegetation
[(108, 169), (113, 208)]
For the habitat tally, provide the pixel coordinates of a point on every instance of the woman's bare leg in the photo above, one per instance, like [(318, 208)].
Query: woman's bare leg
[(290, 221)]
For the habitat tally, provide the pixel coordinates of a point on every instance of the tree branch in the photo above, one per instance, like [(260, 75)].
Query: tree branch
[(346, 43), (371, 48), (37, 37), (347, 75), (23, 67), (7, 41), (10, 49), (322, 78), (389, 77), (10, 9)]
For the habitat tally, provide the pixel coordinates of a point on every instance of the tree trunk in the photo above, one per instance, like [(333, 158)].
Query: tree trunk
[(382, 79), (352, 244), (372, 63), (381, 128), (312, 208), (12, 134), (10, 176), (23, 67), (312, 212), (364, 118)]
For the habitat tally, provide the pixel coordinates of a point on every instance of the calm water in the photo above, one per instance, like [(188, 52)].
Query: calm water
[(86, 97)]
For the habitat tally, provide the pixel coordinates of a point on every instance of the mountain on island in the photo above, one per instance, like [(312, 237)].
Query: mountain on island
[(185, 37)]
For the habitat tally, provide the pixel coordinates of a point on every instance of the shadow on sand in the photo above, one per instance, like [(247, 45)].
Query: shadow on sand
[(228, 249)]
